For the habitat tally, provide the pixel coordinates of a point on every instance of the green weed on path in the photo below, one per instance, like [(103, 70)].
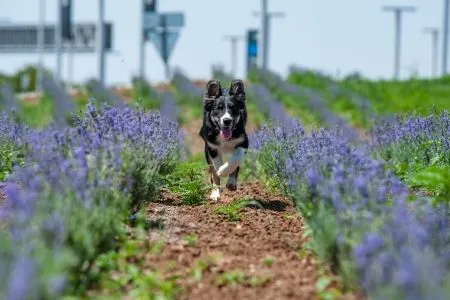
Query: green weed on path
[(232, 210), (188, 182)]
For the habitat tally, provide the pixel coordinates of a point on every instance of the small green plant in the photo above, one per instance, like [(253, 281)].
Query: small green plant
[(187, 181), (236, 277), (124, 272), (230, 278), (191, 239), (435, 179), (268, 261), (205, 264), (324, 289), (231, 210), (9, 157)]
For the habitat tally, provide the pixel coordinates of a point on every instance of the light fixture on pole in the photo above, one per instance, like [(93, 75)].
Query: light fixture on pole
[(434, 32), (234, 39), (398, 10)]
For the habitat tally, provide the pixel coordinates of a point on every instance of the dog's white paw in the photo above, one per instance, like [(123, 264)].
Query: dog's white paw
[(223, 170), (215, 194), (227, 168)]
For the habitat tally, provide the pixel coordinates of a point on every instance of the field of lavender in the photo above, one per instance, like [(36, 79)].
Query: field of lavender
[(366, 165)]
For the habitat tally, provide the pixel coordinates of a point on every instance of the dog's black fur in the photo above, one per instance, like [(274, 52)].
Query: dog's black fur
[(223, 111)]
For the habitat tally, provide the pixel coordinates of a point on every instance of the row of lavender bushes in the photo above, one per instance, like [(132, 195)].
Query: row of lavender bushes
[(71, 191), (307, 103), (362, 217), (353, 107)]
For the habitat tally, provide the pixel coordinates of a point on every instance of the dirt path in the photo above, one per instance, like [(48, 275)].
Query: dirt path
[(257, 257)]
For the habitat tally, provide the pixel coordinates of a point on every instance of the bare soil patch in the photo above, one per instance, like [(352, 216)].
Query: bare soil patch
[(258, 257)]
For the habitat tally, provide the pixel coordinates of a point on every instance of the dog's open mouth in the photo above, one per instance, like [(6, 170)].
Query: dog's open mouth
[(226, 133)]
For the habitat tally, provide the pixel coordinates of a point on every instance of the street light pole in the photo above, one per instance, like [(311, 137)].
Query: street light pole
[(40, 44), (267, 18), (398, 10), (234, 39), (58, 42), (445, 37), (101, 41), (434, 32)]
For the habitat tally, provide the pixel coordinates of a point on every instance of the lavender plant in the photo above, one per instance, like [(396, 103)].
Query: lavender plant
[(418, 149), (67, 205), (12, 145), (187, 89), (342, 100), (357, 210), (306, 102), (266, 102), (168, 105)]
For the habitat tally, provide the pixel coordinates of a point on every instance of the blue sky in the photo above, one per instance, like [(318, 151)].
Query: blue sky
[(327, 35)]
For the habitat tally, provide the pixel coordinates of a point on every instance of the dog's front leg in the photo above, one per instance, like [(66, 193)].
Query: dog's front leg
[(235, 160), (217, 162)]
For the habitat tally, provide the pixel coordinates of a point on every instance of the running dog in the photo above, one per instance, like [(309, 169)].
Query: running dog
[(223, 131)]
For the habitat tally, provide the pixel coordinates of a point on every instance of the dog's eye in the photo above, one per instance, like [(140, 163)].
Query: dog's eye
[(220, 106)]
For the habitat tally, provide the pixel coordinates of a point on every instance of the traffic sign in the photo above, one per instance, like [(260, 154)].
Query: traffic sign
[(150, 6), (164, 42), (66, 19), (17, 38), (153, 20), (252, 48)]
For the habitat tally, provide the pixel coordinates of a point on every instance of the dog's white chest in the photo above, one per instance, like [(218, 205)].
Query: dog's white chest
[(227, 146)]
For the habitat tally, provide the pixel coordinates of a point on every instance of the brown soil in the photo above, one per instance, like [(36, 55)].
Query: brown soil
[(272, 232), (192, 140)]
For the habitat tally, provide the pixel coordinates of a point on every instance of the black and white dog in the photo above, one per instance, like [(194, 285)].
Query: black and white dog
[(223, 130)]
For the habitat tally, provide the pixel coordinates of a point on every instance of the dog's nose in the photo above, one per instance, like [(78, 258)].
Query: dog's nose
[(227, 122)]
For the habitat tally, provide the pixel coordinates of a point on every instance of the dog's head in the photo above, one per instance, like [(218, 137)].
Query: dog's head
[(225, 109)]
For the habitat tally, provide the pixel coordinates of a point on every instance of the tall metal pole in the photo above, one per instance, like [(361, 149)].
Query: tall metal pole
[(70, 63), (234, 39), (164, 50), (40, 44), (265, 32), (434, 32), (266, 17), (397, 43), (58, 42), (398, 10), (142, 43), (100, 41), (445, 37)]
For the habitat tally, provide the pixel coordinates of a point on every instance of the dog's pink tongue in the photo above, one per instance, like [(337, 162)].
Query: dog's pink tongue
[(226, 133)]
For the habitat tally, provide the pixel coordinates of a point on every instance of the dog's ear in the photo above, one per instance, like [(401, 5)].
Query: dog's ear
[(213, 89), (237, 89)]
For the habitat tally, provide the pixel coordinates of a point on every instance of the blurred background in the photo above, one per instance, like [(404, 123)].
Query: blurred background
[(336, 37), (322, 62)]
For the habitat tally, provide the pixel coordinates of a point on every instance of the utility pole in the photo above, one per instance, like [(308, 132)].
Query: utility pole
[(67, 35), (266, 17), (101, 41), (40, 44), (58, 42), (398, 10), (445, 37), (234, 39), (142, 43), (148, 8), (164, 46), (434, 32)]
